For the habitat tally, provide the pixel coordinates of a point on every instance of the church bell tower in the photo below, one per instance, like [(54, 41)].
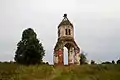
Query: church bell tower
[(66, 39)]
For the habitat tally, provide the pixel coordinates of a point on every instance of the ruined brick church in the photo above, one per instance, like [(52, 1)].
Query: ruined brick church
[(66, 39)]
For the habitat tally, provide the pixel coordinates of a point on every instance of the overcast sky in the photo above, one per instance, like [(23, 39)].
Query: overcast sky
[(96, 23)]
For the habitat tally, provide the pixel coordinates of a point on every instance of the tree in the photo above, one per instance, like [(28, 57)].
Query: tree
[(107, 62), (92, 62), (29, 50), (83, 59), (113, 62), (118, 61)]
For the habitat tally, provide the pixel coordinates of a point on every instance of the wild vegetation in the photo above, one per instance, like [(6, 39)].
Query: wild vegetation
[(14, 71)]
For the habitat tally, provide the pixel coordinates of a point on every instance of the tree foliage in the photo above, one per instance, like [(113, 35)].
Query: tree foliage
[(83, 59), (29, 50), (118, 61), (93, 62), (107, 62), (113, 62)]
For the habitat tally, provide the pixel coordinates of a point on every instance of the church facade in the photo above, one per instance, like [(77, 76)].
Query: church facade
[(66, 39)]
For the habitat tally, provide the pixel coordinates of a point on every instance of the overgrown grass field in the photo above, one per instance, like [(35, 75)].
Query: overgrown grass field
[(12, 71)]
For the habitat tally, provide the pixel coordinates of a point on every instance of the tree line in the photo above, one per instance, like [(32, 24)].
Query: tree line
[(83, 61)]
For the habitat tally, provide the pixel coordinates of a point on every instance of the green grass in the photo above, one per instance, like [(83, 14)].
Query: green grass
[(12, 71)]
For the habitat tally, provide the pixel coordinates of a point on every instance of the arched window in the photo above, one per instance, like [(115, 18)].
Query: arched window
[(69, 32), (66, 31)]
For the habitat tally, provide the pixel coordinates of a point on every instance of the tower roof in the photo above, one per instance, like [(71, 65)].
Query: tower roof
[(65, 21)]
